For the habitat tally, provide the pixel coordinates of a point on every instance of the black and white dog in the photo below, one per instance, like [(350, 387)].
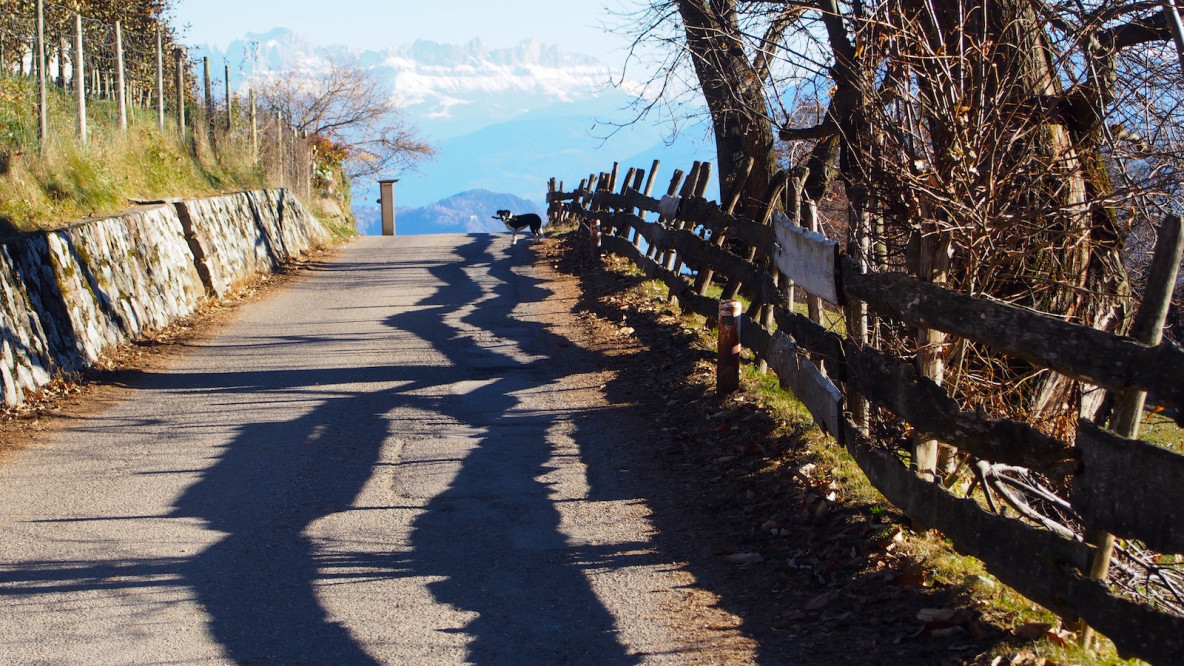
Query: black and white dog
[(516, 223)]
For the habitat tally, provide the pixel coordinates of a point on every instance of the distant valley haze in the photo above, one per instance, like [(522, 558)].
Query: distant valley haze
[(504, 119)]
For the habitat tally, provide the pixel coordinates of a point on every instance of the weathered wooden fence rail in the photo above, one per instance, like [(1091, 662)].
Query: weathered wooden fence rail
[(1123, 486)]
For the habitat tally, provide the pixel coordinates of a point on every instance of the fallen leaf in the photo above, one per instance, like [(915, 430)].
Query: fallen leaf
[(820, 601), (753, 449), (982, 631), (911, 576), (1031, 630), (820, 510), (745, 558), (934, 614), (1061, 638)]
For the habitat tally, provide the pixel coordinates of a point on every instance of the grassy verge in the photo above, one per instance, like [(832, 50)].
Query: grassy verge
[(69, 180)]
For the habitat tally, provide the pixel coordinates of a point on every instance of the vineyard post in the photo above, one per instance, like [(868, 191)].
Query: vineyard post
[(42, 114), (229, 106), (254, 127), (177, 58), (79, 77), (120, 84), (211, 123), (159, 81)]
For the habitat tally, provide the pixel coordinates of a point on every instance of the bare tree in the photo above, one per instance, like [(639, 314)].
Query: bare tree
[(1004, 147), (349, 106)]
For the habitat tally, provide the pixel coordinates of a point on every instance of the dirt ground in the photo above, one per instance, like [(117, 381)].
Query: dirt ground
[(784, 564)]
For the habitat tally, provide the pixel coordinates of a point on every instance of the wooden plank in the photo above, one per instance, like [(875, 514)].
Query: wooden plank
[(809, 259), (895, 384), (797, 373), (1087, 354), (1039, 564), (706, 213), (1130, 488), (563, 196), (629, 198)]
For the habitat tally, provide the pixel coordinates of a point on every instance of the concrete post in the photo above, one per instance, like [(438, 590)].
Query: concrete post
[(386, 197)]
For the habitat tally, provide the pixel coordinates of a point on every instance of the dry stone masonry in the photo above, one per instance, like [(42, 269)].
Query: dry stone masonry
[(71, 294)]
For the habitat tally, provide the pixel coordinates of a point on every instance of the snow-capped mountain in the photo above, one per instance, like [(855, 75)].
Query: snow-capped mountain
[(504, 120), (446, 89)]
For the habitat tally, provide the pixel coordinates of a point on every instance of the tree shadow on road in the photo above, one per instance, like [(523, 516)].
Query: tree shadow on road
[(491, 540), (490, 543)]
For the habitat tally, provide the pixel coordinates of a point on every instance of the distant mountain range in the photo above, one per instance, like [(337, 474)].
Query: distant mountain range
[(504, 120)]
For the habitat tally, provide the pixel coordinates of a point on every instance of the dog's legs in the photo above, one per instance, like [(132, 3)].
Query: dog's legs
[(514, 237)]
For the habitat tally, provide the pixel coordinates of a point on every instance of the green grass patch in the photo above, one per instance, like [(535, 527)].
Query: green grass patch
[(67, 180)]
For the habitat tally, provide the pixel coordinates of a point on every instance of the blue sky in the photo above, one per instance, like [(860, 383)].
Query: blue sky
[(576, 26)]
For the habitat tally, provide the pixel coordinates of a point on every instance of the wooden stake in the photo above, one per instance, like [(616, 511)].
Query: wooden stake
[(159, 81), (1147, 329), (178, 58), (229, 106), (42, 95), (211, 122), (120, 83), (79, 78), (254, 128)]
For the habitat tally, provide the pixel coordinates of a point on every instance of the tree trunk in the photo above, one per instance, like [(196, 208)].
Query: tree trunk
[(735, 97)]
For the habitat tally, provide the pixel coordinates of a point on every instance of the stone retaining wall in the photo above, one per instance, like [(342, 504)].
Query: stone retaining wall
[(71, 294)]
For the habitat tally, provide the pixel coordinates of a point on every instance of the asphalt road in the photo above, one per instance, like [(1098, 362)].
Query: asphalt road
[(391, 460)]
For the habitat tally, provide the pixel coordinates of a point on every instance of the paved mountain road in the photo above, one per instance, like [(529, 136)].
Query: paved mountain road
[(390, 460)]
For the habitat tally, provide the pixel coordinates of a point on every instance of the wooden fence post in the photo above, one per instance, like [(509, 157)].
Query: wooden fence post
[(1128, 407), (120, 83), (159, 81), (211, 122), (857, 329), (60, 79), (229, 106), (706, 274), (595, 229), (652, 251), (727, 365), (180, 73), (78, 75), (702, 178), (670, 257), (42, 101), (254, 127)]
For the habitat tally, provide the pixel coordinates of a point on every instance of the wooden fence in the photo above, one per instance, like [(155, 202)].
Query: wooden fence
[(1120, 486)]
